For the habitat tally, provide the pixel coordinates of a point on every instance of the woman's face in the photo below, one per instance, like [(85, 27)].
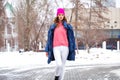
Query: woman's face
[(60, 17)]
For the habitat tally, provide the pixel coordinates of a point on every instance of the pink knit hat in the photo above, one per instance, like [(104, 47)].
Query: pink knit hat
[(60, 10)]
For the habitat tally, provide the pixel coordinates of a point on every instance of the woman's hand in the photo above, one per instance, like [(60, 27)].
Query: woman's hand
[(46, 54)]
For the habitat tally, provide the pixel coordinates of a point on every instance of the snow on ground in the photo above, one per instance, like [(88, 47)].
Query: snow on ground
[(39, 59), (116, 72), (98, 56), (20, 60)]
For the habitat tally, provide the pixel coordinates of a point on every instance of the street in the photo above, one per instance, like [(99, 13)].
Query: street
[(78, 72)]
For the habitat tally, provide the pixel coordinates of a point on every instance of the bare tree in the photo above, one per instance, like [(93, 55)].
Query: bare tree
[(90, 20), (43, 22), (25, 20), (32, 19), (2, 23)]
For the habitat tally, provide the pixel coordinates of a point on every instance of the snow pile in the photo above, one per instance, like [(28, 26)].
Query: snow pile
[(98, 56), (39, 59), (16, 59)]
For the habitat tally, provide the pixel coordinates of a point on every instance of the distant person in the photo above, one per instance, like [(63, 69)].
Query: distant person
[(60, 43)]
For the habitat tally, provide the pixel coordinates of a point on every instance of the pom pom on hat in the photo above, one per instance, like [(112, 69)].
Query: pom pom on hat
[(60, 11)]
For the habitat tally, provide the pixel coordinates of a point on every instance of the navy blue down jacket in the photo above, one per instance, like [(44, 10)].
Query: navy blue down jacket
[(71, 41)]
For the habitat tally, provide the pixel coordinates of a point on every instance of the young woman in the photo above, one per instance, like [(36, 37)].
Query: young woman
[(60, 43)]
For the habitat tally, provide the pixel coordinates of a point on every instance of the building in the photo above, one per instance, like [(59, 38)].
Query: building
[(10, 32), (111, 27), (114, 22)]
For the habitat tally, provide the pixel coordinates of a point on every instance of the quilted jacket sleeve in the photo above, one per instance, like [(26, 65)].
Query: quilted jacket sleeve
[(72, 37), (47, 44)]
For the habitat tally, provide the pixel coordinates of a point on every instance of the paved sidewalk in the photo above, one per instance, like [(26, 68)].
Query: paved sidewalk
[(71, 73), (92, 73)]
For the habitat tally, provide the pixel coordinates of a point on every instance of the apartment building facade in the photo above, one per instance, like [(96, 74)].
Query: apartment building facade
[(112, 27), (10, 31)]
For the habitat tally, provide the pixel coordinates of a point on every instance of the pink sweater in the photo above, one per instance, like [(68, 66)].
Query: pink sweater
[(60, 36)]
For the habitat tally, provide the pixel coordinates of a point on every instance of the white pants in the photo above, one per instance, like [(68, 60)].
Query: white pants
[(60, 54)]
